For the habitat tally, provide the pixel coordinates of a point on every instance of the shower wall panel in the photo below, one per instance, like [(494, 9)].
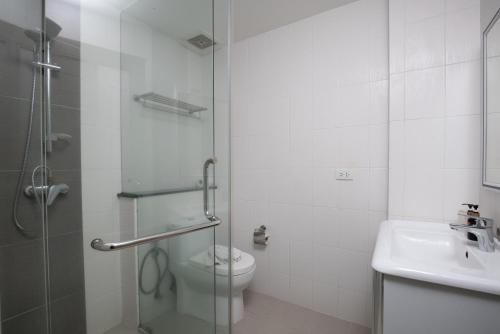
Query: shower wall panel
[(25, 298)]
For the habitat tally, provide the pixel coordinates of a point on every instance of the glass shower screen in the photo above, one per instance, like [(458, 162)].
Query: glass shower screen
[(114, 172), (168, 161), (114, 169)]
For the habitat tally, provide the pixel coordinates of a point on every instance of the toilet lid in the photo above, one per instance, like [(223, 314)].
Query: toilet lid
[(205, 262)]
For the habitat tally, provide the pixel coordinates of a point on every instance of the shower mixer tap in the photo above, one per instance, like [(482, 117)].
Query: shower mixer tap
[(49, 192), (60, 136), (55, 190)]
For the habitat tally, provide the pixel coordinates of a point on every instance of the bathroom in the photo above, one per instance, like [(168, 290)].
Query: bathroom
[(237, 166)]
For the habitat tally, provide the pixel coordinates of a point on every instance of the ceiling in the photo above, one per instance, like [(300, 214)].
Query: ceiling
[(252, 17), (180, 19), (186, 18)]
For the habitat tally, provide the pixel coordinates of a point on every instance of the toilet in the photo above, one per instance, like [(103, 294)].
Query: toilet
[(193, 270), (243, 272)]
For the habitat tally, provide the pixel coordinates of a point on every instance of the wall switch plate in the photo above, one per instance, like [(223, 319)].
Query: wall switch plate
[(343, 174)]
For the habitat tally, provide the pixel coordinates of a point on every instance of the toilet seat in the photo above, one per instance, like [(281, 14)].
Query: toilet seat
[(205, 262)]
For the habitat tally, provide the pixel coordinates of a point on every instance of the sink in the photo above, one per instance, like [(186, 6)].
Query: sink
[(434, 253)]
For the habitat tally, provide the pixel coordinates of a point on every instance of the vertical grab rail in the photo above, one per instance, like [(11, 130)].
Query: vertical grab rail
[(207, 163)]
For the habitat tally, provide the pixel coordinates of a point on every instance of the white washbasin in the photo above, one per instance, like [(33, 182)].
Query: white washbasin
[(432, 252)]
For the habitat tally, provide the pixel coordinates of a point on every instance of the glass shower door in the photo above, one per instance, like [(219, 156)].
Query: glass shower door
[(148, 140), (167, 136)]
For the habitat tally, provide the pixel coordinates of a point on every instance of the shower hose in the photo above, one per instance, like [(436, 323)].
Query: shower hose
[(27, 145), (155, 253)]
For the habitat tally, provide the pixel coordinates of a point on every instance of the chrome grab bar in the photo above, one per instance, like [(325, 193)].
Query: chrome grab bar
[(207, 163), (100, 245)]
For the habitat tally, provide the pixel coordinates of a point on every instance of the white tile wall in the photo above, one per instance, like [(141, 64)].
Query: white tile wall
[(434, 107), (100, 138), (308, 98), (149, 163)]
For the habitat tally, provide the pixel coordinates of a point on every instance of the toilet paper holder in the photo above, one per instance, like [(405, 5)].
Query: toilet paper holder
[(260, 237)]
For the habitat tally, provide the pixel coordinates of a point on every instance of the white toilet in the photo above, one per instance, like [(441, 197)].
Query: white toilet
[(194, 274)]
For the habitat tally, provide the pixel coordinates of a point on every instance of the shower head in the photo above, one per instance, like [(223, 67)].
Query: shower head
[(34, 35), (52, 29), (201, 41)]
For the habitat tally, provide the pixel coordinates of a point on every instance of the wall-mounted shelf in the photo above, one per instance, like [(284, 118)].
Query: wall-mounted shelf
[(163, 103), (139, 194)]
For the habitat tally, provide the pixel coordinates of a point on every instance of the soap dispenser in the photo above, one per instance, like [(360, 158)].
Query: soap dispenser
[(472, 211)]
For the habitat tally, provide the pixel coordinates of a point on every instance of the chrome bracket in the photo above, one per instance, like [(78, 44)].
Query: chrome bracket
[(47, 65)]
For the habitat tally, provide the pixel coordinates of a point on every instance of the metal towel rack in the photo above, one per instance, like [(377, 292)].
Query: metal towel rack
[(100, 245), (163, 103)]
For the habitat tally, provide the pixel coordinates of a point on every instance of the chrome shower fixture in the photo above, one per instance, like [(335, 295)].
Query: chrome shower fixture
[(42, 43), (201, 41), (51, 30), (50, 192)]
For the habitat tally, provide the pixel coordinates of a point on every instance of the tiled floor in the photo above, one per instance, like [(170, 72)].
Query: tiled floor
[(120, 329), (266, 315), (263, 315), (176, 323), (172, 323)]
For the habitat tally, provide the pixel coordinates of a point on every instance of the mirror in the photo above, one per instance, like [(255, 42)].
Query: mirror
[(491, 104)]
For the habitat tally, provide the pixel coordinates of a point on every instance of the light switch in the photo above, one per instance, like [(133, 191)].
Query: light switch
[(343, 174)]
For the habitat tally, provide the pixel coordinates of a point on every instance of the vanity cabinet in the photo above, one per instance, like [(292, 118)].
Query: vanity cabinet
[(406, 306)]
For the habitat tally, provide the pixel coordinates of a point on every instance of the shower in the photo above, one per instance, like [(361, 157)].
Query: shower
[(201, 41), (76, 113), (51, 31)]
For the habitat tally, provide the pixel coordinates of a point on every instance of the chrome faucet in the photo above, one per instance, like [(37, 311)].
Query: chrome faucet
[(50, 192), (482, 228)]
